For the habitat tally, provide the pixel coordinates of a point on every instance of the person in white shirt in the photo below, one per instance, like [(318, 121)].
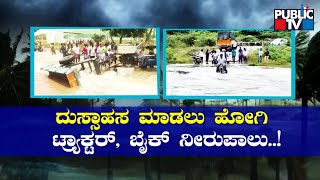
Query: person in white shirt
[(211, 56), (100, 53), (228, 55), (201, 54), (245, 54), (110, 51), (76, 51), (91, 51), (260, 55), (222, 62), (216, 55)]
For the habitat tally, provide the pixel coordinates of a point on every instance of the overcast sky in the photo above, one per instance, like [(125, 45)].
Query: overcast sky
[(146, 13)]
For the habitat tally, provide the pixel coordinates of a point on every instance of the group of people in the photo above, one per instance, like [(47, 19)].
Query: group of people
[(215, 58), (229, 54), (242, 55), (208, 56), (89, 50), (266, 55)]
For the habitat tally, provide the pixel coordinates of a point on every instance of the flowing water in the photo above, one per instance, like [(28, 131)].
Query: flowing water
[(127, 81), (241, 80)]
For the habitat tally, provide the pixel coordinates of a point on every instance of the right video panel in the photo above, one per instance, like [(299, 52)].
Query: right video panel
[(229, 64)]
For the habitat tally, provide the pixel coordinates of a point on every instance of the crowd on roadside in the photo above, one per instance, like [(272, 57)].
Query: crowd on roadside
[(88, 49), (230, 55)]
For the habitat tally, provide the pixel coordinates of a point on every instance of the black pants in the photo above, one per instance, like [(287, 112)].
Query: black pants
[(207, 59), (201, 59), (240, 59)]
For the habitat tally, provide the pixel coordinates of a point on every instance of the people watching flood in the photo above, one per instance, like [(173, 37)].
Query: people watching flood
[(245, 55), (211, 56), (76, 52), (234, 53), (53, 51), (266, 55), (69, 49), (99, 51), (240, 55), (96, 49), (85, 52), (91, 49), (201, 54), (110, 51), (63, 50), (207, 56), (260, 55)]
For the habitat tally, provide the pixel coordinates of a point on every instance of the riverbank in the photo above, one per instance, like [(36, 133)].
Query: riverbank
[(280, 56)]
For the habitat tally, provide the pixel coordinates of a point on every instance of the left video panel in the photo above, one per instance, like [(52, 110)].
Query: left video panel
[(70, 62)]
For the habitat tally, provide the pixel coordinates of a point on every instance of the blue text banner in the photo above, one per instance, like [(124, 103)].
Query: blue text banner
[(160, 131)]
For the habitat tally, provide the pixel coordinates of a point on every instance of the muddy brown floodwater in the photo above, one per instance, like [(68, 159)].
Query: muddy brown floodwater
[(127, 81)]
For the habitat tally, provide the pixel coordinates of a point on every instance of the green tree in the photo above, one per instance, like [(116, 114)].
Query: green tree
[(98, 38), (14, 75), (311, 70), (121, 33)]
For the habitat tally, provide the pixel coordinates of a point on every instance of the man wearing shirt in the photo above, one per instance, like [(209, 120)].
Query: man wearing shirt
[(233, 55), (201, 55), (92, 52), (110, 51), (63, 50), (240, 55), (100, 52), (76, 51), (221, 62)]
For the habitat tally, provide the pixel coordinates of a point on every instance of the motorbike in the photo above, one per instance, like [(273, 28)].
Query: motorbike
[(222, 69), (196, 59), (215, 60)]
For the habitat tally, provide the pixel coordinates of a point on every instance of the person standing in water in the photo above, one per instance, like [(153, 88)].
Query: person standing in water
[(85, 52), (63, 50), (76, 51), (92, 51)]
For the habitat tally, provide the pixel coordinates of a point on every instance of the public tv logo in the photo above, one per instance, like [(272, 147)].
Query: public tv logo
[(294, 19)]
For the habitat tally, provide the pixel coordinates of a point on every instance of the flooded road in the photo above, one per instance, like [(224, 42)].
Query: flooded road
[(127, 81), (241, 80)]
